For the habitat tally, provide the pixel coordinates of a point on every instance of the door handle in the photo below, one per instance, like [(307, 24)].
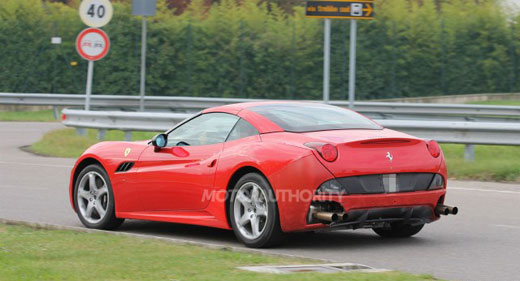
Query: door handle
[(212, 163)]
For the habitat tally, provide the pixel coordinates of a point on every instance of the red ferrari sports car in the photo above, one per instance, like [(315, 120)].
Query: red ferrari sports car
[(263, 169)]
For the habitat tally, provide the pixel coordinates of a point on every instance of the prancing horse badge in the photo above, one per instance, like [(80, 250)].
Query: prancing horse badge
[(389, 156), (127, 151)]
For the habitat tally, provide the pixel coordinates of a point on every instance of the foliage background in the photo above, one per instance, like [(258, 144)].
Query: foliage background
[(265, 49)]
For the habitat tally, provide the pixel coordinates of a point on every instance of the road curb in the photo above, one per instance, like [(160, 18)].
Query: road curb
[(211, 246)]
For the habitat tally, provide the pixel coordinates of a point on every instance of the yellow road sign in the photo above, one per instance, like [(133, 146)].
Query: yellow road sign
[(342, 9)]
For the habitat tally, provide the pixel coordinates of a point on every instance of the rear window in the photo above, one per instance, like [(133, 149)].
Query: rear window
[(307, 117)]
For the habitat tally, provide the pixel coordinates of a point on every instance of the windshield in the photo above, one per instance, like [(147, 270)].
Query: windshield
[(307, 117)]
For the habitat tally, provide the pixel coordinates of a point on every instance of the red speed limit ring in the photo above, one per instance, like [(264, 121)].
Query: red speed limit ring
[(92, 44)]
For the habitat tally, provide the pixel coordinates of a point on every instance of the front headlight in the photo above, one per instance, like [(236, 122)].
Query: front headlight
[(331, 187), (437, 182)]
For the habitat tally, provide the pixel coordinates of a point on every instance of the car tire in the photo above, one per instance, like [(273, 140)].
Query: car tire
[(399, 230), (263, 212), (94, 199)]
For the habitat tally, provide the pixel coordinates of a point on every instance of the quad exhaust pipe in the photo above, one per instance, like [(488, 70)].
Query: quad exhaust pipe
[(445, 210)]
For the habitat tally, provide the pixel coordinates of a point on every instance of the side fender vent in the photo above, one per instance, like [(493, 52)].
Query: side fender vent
[(124, 167)]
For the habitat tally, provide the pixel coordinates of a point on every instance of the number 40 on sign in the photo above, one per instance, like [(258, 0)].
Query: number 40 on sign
[(96, 13)]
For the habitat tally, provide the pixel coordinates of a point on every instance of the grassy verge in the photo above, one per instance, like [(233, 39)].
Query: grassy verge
[(35, 254), (492, 163), (498, 102), (36, 116), (66, 143)]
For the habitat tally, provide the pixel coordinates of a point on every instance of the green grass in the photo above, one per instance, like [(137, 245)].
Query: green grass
[(498, 102), (37, 116), (66, 143), (36, 254), (492, 163)]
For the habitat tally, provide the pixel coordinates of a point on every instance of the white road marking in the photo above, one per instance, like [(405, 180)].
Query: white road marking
[(508, 226), (484, 190), (34, 164)]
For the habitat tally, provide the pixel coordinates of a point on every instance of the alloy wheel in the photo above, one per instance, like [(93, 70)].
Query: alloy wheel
[(250, 210), (93, 197)]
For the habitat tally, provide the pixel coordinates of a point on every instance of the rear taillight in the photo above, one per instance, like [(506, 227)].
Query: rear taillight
[(63, 117), (434, 148), (327, 151)]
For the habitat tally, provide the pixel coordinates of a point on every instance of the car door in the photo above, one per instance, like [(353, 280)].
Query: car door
[(179, 176)]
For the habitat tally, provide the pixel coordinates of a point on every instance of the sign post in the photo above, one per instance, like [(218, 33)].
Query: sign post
[(143, 8), (352, 67), (92, 44), (342, 9), (326, 61), (142, 86), (88, 92)]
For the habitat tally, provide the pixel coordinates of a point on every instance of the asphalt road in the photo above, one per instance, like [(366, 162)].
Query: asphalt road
[(481, 243)]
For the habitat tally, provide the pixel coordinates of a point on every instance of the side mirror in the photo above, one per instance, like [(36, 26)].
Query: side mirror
[(160, 141)]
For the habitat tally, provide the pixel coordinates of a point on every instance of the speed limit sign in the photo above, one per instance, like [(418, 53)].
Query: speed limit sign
[(96, 13)]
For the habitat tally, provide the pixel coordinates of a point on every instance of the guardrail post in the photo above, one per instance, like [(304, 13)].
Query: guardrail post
[(102, 133), (56, 113), (81, 132), (128, 135), (469, 152)]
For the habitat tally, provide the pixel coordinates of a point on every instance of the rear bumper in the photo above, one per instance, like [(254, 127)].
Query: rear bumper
[(368, 210), (377, 217)]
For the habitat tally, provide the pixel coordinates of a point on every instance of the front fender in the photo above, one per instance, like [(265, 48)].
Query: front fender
[(107, 154)]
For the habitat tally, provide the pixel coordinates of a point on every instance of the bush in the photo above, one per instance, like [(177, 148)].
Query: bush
[(254, 49)]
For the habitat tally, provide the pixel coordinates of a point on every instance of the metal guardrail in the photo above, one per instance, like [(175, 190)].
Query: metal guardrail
[(123, 121), (449, 123), (468, 133), (376, 110), (459, 132), (435, 109), (118, 102)]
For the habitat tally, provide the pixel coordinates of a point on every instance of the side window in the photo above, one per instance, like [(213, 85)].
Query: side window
[(206, 129), (242, 130)]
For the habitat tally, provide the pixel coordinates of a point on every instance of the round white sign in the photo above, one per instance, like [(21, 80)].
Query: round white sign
[(93, 44), (96, 13)]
